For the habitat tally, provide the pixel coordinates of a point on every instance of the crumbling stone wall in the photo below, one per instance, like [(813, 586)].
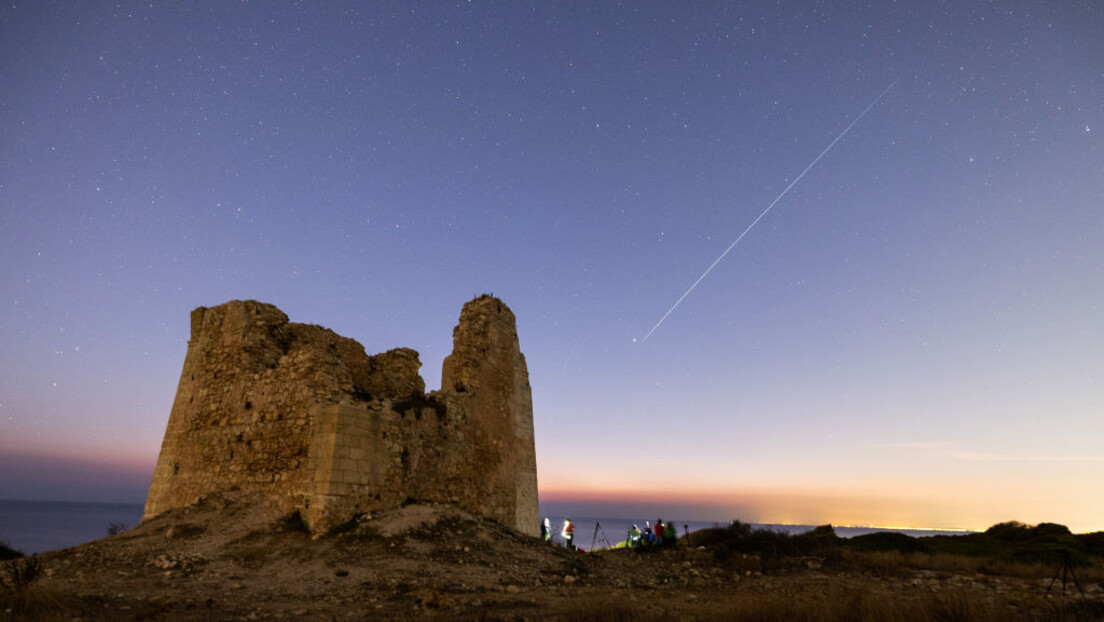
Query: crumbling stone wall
[(307, 417), (486, 373)]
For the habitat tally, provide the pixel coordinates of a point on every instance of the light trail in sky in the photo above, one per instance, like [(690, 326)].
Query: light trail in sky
[(772, 204)]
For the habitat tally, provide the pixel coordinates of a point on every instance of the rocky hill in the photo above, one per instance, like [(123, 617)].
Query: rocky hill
[(237, 556)]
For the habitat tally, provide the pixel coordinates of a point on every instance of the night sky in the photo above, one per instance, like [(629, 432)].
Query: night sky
[(911, 336)]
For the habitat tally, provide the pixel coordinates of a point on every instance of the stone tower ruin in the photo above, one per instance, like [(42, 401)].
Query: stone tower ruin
[(305, 416)]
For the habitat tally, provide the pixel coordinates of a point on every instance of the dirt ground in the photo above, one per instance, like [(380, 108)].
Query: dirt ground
[(237, 558)]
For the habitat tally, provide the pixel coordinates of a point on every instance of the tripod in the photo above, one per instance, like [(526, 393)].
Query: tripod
[(598, 529), (1065, 568)]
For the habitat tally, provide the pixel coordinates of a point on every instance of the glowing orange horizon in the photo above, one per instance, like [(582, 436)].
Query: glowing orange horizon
[(800, 505), (914, 504)]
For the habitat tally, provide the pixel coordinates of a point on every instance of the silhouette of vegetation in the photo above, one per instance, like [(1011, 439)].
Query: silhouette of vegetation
[(1044, 543), (1014, 531), (1093, 543), (993, 550), (114, 529), (741, 539), (889, 541), (7, 552)]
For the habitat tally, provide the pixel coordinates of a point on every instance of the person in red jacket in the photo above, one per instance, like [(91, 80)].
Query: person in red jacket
[(659, 531), (568, 533)]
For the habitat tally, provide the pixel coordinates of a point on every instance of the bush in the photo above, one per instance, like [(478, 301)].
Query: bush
[(1093, 542), (1010, 530), (114, 529), (888, 541), (741, 538), (7, 552), (17, 574), (1014, 531), (1049, 531)]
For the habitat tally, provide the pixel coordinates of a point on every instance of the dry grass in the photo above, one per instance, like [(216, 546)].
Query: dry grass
[(895, 564), (854, 604), (22, 599), (614, 611), (851, 605), (46, 605)]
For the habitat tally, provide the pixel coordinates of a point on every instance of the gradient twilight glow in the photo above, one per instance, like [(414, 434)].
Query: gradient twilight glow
[(912, 338)]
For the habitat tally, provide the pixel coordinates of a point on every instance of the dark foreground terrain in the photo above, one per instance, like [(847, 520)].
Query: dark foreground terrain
[(236, 558)]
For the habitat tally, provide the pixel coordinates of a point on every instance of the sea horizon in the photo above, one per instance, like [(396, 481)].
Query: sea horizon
[(590, 532), (39, 526), (33, 526)]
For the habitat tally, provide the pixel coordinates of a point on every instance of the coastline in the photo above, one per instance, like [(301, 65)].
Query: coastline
[(39, 526)]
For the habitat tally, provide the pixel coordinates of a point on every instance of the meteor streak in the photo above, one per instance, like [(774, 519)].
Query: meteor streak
[(776, 200)]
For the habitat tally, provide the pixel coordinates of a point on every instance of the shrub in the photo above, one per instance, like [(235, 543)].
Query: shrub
[(741, 538), (7, 552), (1049, 531), (17, 574), (1093, 542), (1018, 532), (888, 541), (1010, 530), (114, 529)]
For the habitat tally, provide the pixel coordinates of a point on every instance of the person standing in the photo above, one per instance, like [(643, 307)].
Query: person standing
[(568, 533), (546, 530), (659, 531)]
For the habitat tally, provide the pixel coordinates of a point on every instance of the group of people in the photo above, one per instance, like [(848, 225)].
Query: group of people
[(652, 535), (568, 532)]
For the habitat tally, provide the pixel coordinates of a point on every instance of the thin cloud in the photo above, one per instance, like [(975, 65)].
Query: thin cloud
[(947, 449), (988, 457), (906, 445)]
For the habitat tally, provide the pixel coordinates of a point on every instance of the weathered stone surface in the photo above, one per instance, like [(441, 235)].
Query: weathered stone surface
[(307, 417), (486, 373), (394, 374)]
